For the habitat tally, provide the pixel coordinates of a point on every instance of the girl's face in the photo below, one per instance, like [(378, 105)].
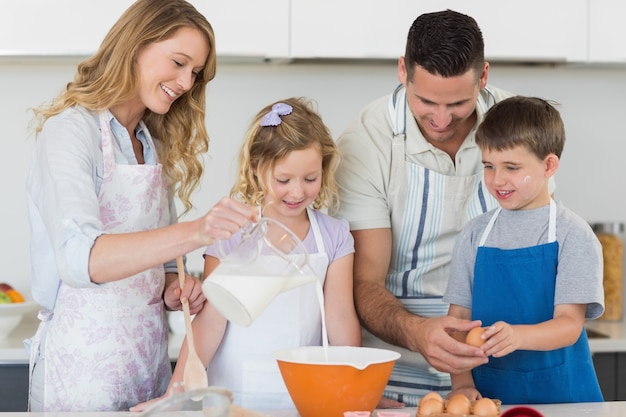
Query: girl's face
[(169, 68), (517, 178), (295, 183)]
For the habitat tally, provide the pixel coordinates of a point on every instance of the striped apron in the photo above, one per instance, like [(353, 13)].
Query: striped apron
[(437, 207)]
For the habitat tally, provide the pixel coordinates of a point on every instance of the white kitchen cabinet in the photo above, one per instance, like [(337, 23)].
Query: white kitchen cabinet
[(607, 33), (532, 30), (248, 28), (56, 27), (350, 28)]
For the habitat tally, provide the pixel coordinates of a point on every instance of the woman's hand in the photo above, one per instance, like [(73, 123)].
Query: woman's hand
[(224, 219)]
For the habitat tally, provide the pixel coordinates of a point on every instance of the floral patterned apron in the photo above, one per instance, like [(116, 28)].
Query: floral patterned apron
[(105, 347)]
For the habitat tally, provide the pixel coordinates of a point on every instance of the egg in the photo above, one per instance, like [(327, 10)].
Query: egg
[(432, 394), (474, 336), (458, 405), (430, 407), (485, 407)]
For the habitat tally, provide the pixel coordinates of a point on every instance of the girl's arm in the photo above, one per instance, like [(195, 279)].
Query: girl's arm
[(562, 330), (208, 327), (341, 319), (462, 383)]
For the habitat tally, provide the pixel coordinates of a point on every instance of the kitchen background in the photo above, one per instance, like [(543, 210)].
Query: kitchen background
[(343, 54)]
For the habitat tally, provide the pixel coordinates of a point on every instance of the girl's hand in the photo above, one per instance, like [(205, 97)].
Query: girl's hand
[(192, 290)]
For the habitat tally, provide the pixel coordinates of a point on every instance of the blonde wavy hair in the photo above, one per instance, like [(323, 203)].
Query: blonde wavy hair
[(111, 77), (265, 145)]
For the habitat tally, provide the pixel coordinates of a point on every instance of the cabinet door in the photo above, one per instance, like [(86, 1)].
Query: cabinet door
[(605, 365), (607, 32), (76, 27), (248, 28), (13, 387), (351, 28), (532, 30), (56, 27)]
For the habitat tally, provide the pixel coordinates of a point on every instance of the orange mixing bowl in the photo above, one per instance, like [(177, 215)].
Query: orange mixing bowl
[(326, 382)]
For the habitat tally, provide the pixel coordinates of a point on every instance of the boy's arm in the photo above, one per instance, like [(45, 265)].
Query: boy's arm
[(562, 330)]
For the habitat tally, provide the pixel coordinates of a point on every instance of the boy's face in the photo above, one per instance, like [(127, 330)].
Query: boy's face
[(517, 178)]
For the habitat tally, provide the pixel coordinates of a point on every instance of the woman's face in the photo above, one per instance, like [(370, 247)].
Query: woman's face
[(169, 68), (295, 183)]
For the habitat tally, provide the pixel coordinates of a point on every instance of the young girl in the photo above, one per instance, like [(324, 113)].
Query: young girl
[(286, 166)]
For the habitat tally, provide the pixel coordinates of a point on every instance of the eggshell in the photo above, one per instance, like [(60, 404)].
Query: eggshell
[(485, 407), (458, 405), (432, 394), (430, 407), (473, 336)]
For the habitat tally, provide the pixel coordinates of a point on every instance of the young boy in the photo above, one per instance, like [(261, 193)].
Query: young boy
[(531, 269)]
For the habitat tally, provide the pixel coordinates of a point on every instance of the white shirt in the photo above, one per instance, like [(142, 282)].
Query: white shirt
[(62, 198)]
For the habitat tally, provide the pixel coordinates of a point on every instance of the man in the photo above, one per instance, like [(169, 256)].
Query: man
[(410, 178)]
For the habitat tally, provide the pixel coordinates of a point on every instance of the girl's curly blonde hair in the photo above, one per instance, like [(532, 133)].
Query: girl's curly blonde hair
[(111, 77), (265, 145)]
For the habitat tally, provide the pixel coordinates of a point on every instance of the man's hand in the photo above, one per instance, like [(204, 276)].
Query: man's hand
[(433, 339)]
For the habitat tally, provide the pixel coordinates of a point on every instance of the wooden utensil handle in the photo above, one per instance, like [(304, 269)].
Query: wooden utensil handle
[(185, 302), (181, 271)]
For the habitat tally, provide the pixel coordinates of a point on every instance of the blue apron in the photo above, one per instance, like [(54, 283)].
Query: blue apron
[(524, 294)]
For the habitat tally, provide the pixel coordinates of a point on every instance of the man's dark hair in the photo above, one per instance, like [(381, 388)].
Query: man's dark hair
[(445, 43)]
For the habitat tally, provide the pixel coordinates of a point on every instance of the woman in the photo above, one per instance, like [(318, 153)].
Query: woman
[(112, 149)]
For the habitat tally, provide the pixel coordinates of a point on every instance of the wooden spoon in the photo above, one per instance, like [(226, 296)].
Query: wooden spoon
[(194, 374)]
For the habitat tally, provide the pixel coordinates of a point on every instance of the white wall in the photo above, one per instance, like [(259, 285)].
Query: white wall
[(590, 180)]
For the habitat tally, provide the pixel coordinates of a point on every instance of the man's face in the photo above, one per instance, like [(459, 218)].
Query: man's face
[(443, 107)]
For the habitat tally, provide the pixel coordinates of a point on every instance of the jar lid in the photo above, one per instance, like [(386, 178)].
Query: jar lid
[(608, 227)]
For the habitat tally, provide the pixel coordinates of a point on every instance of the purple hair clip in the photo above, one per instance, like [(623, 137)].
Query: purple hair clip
[(272, 118)]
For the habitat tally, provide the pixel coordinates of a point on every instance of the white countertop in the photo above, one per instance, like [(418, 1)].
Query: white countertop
[(12, 347), (607, 409)]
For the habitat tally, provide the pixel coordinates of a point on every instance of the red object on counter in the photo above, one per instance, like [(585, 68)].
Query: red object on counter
[(521, 411)]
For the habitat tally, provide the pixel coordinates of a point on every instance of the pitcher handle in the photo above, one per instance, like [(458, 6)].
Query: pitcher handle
[(246, 230)]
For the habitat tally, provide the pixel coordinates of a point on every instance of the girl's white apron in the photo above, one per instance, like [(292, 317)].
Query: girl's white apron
[(243, 362), (105, 347)]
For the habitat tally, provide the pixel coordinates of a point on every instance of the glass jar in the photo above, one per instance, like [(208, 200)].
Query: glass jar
[(609, 235)]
